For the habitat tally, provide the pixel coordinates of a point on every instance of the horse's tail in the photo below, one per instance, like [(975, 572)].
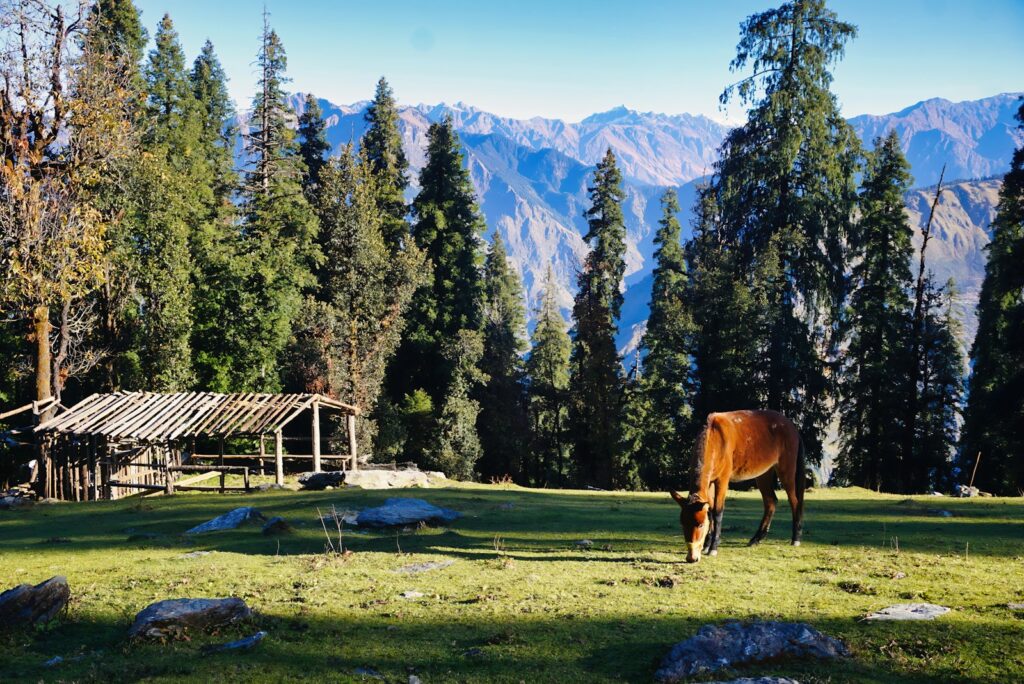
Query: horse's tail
[(801, 467)]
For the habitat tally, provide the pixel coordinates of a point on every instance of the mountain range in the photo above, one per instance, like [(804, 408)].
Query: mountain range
[(531, 177)]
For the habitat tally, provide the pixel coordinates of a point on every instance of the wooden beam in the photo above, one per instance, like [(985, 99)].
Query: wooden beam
[(350, 423), (316, 436), (279, 458)]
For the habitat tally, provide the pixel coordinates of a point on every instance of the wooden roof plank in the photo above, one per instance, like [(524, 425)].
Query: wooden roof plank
[(156, 406), (199, 411), (249, 425), (157, 426)]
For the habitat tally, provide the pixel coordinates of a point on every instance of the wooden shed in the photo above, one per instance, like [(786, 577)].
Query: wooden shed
[(111, 445)]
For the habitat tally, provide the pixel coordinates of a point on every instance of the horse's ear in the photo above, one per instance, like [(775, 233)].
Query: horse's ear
[(680, 499)]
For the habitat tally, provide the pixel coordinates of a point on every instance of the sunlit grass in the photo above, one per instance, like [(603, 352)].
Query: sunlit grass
[(522, 602)]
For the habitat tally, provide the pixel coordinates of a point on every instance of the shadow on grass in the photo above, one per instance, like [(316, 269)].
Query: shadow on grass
[(523, 521), (562, 648)]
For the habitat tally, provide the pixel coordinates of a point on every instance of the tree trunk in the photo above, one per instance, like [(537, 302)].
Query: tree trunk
[(41, 332)]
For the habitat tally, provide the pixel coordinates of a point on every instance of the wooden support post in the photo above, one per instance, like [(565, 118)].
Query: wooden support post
[(350, 423), (168, 475), (316, 436), (279, 458), (223, 477), (245, 477), (220, 449), (263, 453)]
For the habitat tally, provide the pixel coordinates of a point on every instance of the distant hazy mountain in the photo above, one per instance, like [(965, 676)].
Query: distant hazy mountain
[(974, 139), (531, 177)]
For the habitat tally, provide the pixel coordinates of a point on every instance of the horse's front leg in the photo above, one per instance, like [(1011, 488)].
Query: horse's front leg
[(717, 511)]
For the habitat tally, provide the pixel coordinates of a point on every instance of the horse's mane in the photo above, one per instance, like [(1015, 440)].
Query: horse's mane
[(697, 460)]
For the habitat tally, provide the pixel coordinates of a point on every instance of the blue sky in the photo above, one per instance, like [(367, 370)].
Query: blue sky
[(569, 58)]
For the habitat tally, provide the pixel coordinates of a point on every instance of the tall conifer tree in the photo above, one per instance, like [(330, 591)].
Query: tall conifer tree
[(448, 229), (877, 359), (995, 409), (313, 145), (547, 369), (786, 197), (661, 455), (382, 144), (502, 424), (596, 386), (278, 248)]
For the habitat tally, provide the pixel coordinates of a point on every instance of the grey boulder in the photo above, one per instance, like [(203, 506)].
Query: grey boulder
[(396, 512), (228, 521), (322, 480), (732, 644), (175, 617), (26, 605)]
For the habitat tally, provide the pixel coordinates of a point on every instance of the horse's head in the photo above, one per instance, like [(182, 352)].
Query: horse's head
[(695, 521)]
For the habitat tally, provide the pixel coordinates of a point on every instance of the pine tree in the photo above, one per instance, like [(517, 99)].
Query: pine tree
[(313, 145), (940, 404), (116, 31), (722, 305), (448, 229), (455, 447), (353, 326), (877, 359), (995, 408), (659, 405), (278, 251), (786, 196), (548, 371), (502, 424), (382, 144), (596, 386), (216, 246)]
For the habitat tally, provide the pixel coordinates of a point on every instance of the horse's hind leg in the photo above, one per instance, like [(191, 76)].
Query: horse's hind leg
[(718, 511), (714, 521), (796, 504), (766, 483)]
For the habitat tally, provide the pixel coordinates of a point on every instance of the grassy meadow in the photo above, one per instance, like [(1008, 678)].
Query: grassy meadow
[(522, 602)]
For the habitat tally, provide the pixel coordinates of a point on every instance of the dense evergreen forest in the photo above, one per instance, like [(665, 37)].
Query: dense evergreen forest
[(136, 254)]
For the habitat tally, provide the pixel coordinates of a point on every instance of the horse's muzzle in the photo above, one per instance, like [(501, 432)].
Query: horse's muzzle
[(693, 552)]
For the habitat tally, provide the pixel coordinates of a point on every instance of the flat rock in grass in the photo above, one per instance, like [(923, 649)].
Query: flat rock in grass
[(909, 611), (758, 680), (277, 525), (174, 617), (415, 568), (26, 605), (732, 644), (239, 645), (228, 521), (322, 480), (1015, 606), (398, 512)]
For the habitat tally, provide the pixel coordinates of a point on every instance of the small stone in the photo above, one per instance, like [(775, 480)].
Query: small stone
[(175, 617), (584, 543), (412, 594), (239, 645), (277, 525), (898, 575), (473, 653), (1015, 606), (909, 611), (228, 521), (194, 554), (413, 679), (26, 605), (54, 661), (368, 672)]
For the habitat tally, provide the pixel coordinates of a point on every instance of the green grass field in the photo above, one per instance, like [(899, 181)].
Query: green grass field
[(521, 603)]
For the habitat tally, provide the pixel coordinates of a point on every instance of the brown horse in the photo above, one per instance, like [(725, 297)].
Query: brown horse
[(735, 446)]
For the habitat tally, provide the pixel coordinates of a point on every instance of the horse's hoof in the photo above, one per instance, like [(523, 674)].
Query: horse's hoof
[(713, 552), (796, 543), (753, 542)]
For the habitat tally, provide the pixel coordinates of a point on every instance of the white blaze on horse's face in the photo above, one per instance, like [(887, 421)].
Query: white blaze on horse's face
[(695, 521)]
